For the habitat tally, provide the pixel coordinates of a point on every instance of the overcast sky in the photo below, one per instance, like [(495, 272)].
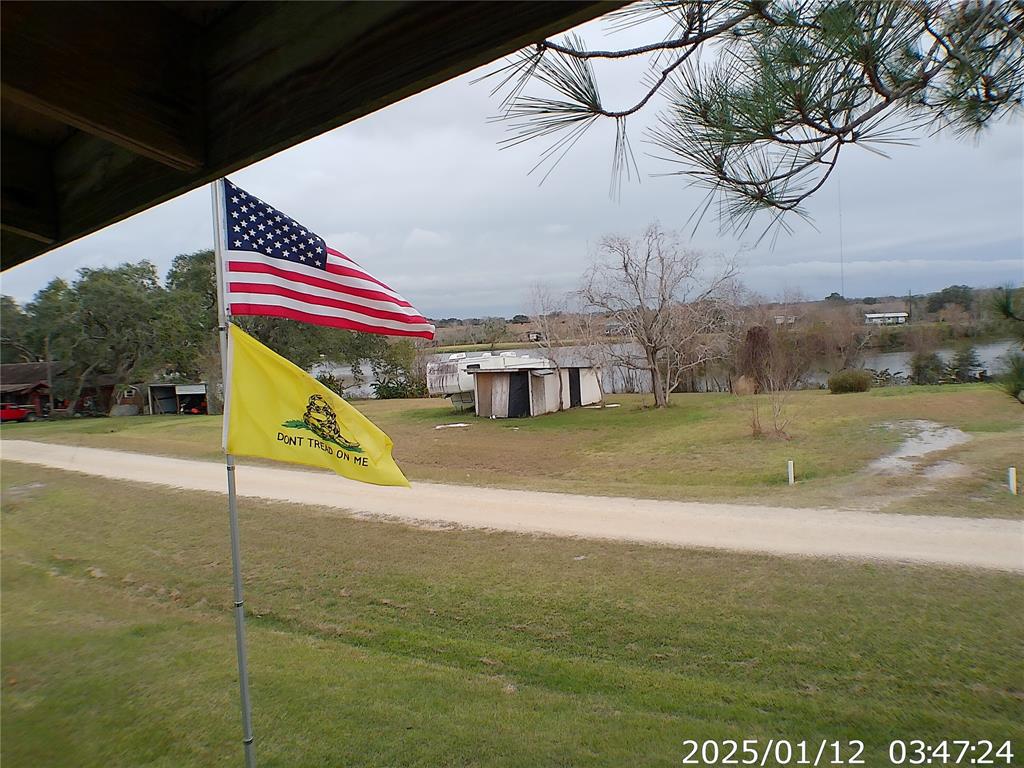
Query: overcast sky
[(420, 194)]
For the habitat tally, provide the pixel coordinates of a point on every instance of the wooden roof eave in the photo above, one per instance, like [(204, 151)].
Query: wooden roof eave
[(111, 108)]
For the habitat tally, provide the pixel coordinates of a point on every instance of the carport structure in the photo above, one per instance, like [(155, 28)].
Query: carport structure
[(177, 398), (111, 108)]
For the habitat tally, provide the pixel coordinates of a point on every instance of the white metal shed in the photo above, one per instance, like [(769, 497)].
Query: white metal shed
[(533, 390)]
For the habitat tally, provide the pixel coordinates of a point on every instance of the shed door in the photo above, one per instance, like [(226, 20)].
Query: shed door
[(575, 400), (499, 395), (518, 395), (537, 397), (483, 382)]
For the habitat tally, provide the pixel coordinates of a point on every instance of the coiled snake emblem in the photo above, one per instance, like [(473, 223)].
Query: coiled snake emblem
[(323, 422)]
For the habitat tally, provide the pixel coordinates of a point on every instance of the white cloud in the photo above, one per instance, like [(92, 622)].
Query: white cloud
[(426, 239), (556, 229), (355, 245)]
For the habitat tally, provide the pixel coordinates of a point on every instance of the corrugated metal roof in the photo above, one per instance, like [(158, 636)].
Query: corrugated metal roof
[(28, 373), (11, 388)]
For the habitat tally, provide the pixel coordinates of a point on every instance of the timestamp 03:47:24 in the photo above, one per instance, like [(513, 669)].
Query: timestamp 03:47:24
[(711, 752)]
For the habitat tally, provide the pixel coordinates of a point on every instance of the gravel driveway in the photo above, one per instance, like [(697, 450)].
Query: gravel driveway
[(995, 544)]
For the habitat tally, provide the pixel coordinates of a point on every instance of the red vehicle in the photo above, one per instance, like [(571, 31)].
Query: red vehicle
[(12, 412)]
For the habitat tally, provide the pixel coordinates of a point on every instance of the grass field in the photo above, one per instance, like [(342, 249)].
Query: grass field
[(700, 449), (379, 644)]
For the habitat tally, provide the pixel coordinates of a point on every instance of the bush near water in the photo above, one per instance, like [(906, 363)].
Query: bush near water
[(851, 380)]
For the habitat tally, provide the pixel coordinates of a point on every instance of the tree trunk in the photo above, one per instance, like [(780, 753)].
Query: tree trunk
[(78, 390), (121, 380), (49, 370), (657, 385), (558, 373)]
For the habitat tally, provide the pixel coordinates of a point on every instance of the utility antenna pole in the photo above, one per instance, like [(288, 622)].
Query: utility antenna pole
[(842, 260)]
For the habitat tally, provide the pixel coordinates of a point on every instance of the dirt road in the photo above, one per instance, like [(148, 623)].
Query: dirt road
[(996, 544)]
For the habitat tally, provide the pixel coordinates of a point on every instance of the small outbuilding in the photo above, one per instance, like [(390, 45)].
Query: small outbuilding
[(532, 389), (177, 398), (128, 401)]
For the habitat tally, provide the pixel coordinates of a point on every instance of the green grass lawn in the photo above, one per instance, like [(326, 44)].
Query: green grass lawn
[(699, 449), (382, 644)]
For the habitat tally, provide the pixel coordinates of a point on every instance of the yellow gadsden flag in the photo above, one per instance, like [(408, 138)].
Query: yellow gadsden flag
[(275, 410)]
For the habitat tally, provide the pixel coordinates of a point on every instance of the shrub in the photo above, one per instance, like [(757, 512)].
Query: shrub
[(965, 365), (399, 373), (926, 368), (854, 380), (396, 385), (1013, 381), (335, 385)]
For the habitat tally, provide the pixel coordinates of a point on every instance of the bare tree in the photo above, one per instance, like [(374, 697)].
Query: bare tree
[(774, 360), (548, 317), (783, 342), (601, 347), (493, 331), (835, 336), (669, 300)]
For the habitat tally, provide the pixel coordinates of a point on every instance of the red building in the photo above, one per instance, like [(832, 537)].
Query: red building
[(26, 384)]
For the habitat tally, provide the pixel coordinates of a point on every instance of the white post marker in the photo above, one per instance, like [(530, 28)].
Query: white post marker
[(1011, 480), (789, 472)]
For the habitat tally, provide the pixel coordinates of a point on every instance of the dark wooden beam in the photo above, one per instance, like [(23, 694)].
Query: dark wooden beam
[(15, 249), (27, 204), (346, 60), (95, 178), (274, 74), (127, 72)]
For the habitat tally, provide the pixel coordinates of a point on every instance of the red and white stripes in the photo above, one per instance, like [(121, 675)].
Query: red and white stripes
[(342, 295)]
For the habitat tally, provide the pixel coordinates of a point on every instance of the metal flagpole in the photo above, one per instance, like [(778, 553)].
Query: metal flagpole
[(223, 318)]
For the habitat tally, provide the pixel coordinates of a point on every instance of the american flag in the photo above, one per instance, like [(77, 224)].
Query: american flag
[(274, 266)]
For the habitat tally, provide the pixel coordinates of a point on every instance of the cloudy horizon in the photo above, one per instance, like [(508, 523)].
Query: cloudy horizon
[(421, 195)]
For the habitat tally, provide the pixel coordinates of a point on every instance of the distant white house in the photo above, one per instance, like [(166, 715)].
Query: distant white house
[(885, 318)]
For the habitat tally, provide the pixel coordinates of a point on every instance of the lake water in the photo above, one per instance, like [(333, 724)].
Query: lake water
[(899, 362), (618, 379)]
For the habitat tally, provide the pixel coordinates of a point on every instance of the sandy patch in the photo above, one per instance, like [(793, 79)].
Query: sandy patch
[(923, 438)]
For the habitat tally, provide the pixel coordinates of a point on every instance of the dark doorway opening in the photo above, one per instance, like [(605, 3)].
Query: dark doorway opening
[(575, 399), (518, 395), (163, 399)]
